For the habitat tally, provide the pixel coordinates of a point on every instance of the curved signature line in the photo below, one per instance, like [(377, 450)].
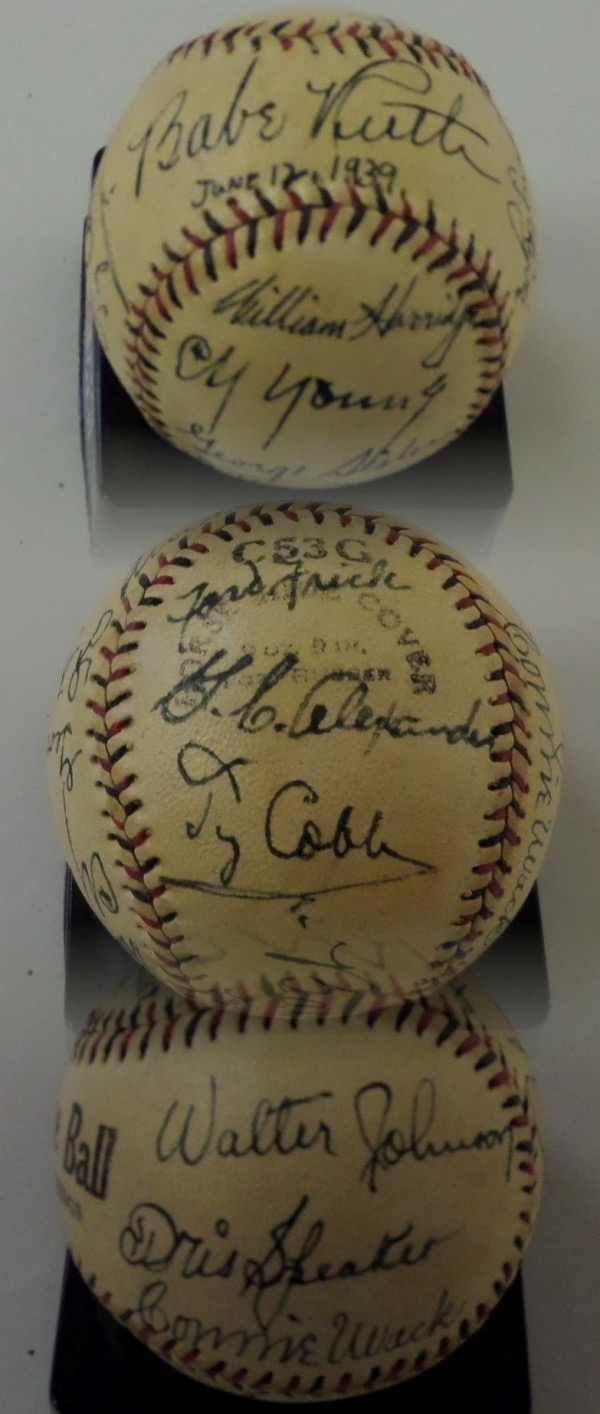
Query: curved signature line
[(104, 202), (203, 886)]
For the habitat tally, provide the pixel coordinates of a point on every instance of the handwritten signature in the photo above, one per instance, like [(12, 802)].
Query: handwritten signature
[(397, 96), (294, 1259), (388, 1145), (384, 102), (338, 701)]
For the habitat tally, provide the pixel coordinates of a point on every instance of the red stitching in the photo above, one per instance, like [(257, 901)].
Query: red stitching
[(89, 1047), (490, 872), (141, 371), (360, 32)]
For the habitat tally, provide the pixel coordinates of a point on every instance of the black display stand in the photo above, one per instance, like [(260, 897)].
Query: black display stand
[(129, 468), (99, 1367)]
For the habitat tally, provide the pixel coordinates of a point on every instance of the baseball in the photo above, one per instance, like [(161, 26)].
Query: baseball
[(305, 751), (311, 248), (296, 1210)]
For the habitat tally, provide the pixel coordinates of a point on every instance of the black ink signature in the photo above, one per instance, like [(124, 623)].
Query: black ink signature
[(412, 119), (191, 758), (77, 670), (209, 1337), (321, 395), (385, 457), (97, 885), (520, 214), (358, 1340), (299, 896), (195, 361), (299, 582), (343, 959), (289, 1261), (206, 449), (388, 1146), (393, 312), (176, 134), (307, 838), (196, 691), (262, 304), (109, 265), (338, 701), (283, 1127), (152, 1240), (188, 766), (58, 744), (550, 771), (297, 1346)]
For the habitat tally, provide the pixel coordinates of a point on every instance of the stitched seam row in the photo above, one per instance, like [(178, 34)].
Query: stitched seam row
[(360, 33), (121, 1033), (145, 331), (510, 737)]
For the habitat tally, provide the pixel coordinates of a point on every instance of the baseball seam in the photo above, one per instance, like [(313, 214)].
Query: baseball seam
[(362, 34), (468, 273), (510, 754), (115, 1034)]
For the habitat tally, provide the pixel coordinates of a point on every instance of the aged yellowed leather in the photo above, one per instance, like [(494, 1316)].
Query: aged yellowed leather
[(298, 1209), (311, 248), (305, 751)]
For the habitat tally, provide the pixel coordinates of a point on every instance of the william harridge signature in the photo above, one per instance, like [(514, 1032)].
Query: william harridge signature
[(384, 101), (296, 310)]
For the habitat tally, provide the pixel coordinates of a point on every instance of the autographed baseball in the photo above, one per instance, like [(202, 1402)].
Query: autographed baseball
[(311, 248), (296, 1210), (305, 751)]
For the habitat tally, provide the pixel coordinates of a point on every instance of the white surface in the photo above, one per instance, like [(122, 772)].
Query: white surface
[(66, 71)]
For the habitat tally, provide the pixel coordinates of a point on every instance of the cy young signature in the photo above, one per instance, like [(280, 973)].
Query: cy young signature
[(221, 372)]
